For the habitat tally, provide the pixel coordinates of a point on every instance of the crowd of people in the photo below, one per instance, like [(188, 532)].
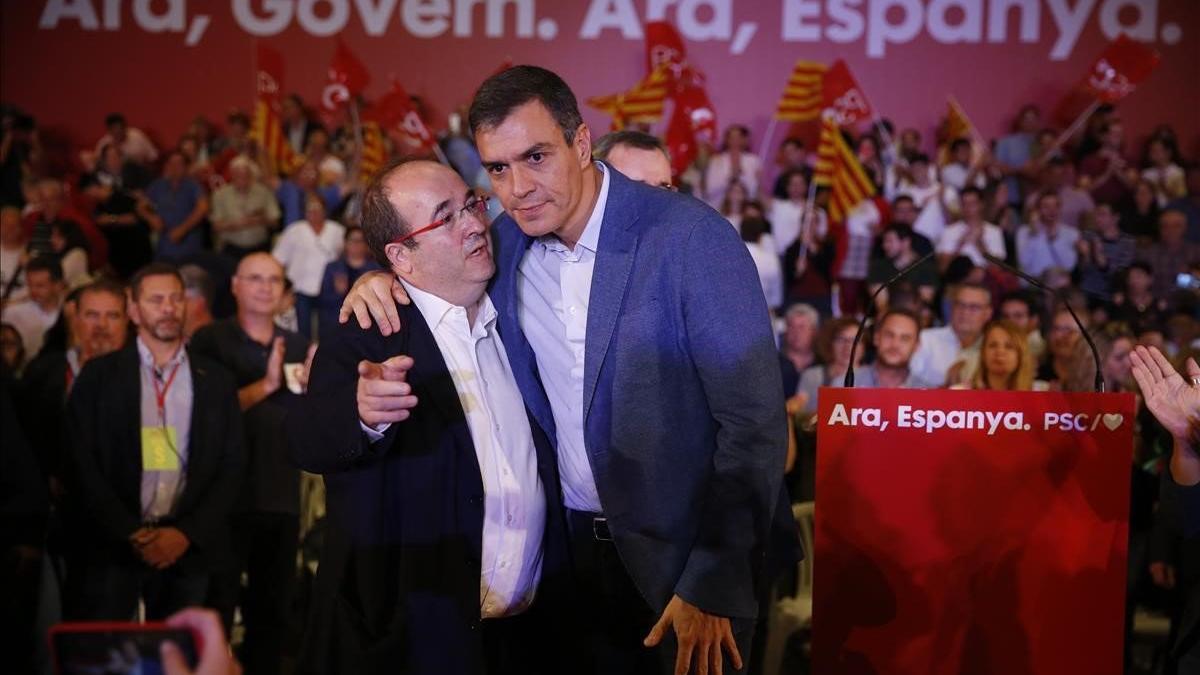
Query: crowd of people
[(137, 251)]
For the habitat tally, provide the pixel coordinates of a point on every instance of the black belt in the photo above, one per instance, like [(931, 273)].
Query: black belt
[(584, 521)]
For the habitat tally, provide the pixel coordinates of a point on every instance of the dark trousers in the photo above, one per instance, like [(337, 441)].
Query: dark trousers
[(264, 547), (106, 591), (613, 614)]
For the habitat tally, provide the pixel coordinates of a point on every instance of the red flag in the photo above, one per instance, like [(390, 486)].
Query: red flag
[(693, 121), (268, 81), (842, 94), (1120, 69), (394, 112), (347, 78), (663, 45)]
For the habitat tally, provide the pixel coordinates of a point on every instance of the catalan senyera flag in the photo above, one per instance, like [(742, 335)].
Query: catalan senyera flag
[(267, 126), (839, 170), (957, 125), (802, 97), (374, 151), (643, 103)]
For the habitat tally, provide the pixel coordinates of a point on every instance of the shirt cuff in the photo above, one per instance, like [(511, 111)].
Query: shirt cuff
[(374, 433)]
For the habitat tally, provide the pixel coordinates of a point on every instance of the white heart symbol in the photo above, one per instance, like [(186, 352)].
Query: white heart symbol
[(1113, 421)]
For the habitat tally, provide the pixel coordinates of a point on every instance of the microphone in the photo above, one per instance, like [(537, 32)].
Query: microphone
[(862, 325), (1033, 281)]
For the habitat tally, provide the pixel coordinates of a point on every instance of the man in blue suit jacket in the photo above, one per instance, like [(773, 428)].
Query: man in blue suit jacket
[(642, 345)]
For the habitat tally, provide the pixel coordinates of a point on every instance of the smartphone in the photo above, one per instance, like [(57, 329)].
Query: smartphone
[(117, 648)]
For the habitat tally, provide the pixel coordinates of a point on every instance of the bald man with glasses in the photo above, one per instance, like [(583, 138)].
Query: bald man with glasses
[(444, 543)]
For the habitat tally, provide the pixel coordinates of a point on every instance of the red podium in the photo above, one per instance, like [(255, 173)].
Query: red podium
[(971, 532)]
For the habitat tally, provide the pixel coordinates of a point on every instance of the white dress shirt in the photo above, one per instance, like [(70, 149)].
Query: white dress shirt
[(939, 349), (553, 291), (514, 515), (992, 241), (304, 253), (1037, 252)]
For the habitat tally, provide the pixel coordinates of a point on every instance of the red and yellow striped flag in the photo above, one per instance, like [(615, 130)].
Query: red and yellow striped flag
[(802, 97), (267, 129), (374, 152), (838, 169), (957, 125), (267, 126), (643, 103)]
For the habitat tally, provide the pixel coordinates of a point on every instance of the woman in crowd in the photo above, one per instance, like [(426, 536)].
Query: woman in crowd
[(119, 213), (735, 164), (833, 348), (71, 247), (1140, 215), (756, 233), (1005, 363), (1162, 172), (732, 204)]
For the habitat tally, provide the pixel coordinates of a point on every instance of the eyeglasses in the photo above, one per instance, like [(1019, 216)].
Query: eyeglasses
[(476, 206)]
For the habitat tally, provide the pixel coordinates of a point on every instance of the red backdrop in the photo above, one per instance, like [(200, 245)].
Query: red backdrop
[(993, 550), (70, 62)]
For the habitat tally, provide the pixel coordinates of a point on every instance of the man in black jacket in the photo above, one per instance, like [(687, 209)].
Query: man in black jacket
[(155, 459), (446, 542)]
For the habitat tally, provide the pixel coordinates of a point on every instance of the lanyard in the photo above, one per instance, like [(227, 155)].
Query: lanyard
[(160, 393)]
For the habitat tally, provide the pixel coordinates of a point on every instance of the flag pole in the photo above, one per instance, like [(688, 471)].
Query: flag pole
[(806, 218), (1073, 129), (766, 142)]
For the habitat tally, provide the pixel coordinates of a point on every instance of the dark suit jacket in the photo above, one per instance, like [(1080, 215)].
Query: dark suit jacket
[(1182, 504), (42, 406), (397, 590), (682, 397), (103, 445)]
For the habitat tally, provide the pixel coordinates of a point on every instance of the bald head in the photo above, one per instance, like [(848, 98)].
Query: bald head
[(258, 285), (390, 206)]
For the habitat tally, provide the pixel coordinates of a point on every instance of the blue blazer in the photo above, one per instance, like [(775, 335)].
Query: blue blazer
[(684, 416)]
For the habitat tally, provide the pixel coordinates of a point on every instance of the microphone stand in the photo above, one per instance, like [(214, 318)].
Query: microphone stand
[(848, 382), (1033, 281)]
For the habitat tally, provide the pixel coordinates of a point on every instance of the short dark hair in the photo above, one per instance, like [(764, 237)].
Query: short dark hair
[(114, 118), (504, 92), (238, 117), (908, 314), (901, 230), (918, 157), (45, 263), (958, 143), (792, 140), (353, 229), (1025, 298), (633, 138), (108, 286), (903, 198), (754, 228), (381, 222), (1047, 193), (154, 269), (970, 190)]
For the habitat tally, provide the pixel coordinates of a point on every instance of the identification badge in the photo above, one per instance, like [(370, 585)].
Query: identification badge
[(158, 449)]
